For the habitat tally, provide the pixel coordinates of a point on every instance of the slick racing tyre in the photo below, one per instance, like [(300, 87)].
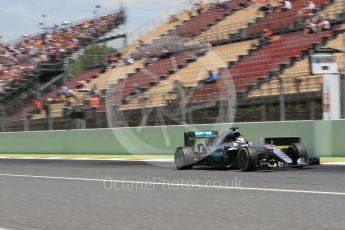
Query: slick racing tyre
[(184, 158), (247, 159), (297, 151)]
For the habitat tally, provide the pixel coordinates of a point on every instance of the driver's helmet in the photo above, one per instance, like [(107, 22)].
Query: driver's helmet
[(232, 136)]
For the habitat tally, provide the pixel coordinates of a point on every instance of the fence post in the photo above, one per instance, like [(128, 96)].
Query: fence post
[(342, 84), (342, 93), (312, 109), (26, 125), (50, 122), (263, 112), (3, 117), (281, 98)]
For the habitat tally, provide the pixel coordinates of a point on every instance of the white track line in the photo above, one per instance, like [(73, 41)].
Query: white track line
[(87, 159), (176, 184), (334, 163)]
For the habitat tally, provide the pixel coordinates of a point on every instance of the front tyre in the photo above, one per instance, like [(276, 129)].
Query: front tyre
[(247, 159), (298, 151), (184, 158)]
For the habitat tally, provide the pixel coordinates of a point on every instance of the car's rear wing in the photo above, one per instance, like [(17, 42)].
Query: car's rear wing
[(190, 137)]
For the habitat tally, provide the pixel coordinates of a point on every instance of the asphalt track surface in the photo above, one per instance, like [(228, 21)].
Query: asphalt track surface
[(38, 194)]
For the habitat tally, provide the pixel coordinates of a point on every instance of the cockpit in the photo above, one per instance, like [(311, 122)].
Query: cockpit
[(231, 136)]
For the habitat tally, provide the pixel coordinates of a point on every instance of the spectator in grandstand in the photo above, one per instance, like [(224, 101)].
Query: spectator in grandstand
[(109, 59), (265, 37), (165, 53), (94, 90), (317, 16), (311, 8), (66, 109), (84, 89), (212, 76), (323, 25), (286, 5), (194, 11), (139, 93), (243, 3), (200, 7), (94, 102), (173, 18), (136, 89), (310, 27), (37, 105), (64, 89), (104, 67), (129, 60), (266, 8), (31, 50), (222, 5)]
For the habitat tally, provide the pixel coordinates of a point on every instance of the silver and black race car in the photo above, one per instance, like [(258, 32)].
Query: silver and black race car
[(229, 150)]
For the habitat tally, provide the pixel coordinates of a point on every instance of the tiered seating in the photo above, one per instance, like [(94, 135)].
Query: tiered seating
[(152, 74), (218, 57), (298, 79), (332, 11), (204, 20), (166, 27), (232, 51), (270, 57), (295, 80), (114, 75), (159, 94), (279, 21), (259, 64), (56, 108), (231, 24), (102, 81), (338, 43)]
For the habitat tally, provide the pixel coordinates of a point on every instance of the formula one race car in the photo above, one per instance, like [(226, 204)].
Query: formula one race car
[(229, 150)]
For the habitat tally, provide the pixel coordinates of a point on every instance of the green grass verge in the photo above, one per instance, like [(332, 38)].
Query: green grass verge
[(333, 159), (90, 156)]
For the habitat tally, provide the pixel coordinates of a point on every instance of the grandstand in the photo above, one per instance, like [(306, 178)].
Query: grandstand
[(297, 79), (231, 24), (214, 59), (22, 75), (257, 71)]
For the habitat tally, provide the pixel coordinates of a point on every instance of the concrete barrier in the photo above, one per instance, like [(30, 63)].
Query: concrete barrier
[(323, 138)]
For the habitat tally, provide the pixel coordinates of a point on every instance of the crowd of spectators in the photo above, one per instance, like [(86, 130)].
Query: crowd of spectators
[(313, 21), (72, 99), (270, 6), (23, 56), (201, 6)]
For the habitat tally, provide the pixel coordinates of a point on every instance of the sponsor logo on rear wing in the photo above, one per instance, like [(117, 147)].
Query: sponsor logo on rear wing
[(203, 134)]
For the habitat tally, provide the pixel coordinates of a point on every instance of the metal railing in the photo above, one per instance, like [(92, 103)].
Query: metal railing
[(286, 99)]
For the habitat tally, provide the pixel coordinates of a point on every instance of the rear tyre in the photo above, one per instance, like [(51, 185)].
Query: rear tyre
[(184, 158), (247, 159), (297, 151)]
